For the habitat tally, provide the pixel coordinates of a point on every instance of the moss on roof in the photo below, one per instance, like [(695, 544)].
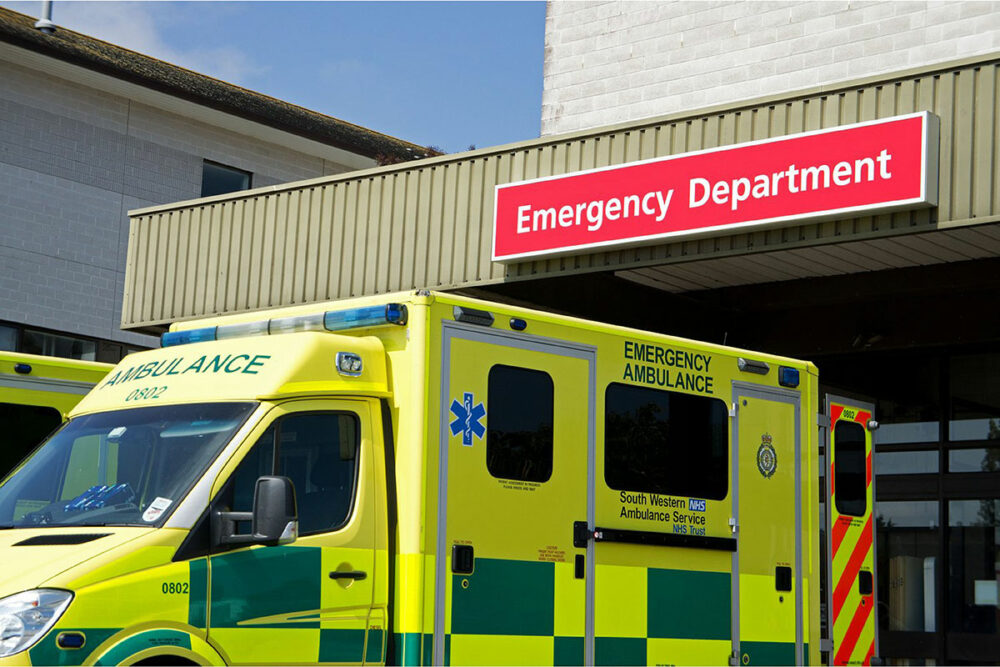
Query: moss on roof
[(78, 49)]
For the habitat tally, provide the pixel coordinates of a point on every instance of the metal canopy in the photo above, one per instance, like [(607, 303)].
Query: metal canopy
[(938, 247), (429, 223)]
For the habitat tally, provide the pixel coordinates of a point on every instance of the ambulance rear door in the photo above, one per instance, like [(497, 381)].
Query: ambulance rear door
[(851, 530)]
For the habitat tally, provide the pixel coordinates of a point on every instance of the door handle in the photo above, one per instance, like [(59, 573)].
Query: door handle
[(355, 575)]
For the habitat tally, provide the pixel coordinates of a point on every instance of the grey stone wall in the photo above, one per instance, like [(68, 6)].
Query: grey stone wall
[(73, 162), (614, 61)]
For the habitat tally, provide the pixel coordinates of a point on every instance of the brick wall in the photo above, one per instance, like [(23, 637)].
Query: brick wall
[(610, 62), (73, 161)]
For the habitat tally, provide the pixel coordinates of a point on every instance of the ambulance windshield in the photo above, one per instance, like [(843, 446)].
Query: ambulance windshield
[(125, 467)]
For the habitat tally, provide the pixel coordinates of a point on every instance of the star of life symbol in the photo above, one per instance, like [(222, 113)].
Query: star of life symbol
[(467, 419)]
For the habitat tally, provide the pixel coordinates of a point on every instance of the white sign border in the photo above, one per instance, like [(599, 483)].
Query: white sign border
[(928, 192)]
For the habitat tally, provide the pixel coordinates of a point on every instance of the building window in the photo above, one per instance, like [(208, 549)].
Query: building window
[(14, 338), (519, 424), (908, 545), (8, 338), (218, 179), (975, 397), (665, 442), (974, 547), (54, 345), (937, 469), (906, 462), (977, 459)]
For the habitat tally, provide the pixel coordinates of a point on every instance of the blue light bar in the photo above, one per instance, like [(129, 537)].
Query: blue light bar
[(371, 316), (788, 377), (172, 338), (333, 320)]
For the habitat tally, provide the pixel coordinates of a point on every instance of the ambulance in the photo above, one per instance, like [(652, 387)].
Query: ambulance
[(423, 478), (35, 395)]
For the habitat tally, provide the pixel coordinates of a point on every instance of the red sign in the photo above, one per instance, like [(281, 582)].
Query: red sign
[(875, 166)]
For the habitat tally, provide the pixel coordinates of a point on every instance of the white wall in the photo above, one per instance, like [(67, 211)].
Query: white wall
[(73, 161), (610, 62)]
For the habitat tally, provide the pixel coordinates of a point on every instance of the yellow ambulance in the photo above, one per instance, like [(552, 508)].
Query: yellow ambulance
[(35, 395), (423, 478)]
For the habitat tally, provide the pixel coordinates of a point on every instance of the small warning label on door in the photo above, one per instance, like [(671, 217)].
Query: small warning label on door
[(552, 554)]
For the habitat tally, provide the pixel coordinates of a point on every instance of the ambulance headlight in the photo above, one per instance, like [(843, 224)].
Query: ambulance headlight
[(26, 617)]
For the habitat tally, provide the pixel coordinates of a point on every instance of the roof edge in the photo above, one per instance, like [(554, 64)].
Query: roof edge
[(105, 58)]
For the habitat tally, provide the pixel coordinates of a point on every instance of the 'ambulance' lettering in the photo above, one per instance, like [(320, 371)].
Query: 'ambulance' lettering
[(229, 363)]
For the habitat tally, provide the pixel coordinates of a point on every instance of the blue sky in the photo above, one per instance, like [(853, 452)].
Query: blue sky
[(448, 74)]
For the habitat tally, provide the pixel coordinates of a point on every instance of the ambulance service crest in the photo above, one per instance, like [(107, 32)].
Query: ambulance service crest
[(767, 458)]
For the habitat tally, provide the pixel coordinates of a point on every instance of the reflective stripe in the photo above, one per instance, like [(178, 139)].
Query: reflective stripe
[(850, 573), (854, 631)]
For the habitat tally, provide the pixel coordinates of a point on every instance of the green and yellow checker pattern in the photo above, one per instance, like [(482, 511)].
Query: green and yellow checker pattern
[(507, 612), (129, 618)]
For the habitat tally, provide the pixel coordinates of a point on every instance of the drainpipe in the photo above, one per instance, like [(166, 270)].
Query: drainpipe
[(45, 23)]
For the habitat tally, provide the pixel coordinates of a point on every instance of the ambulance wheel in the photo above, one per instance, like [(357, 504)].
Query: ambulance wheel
[(164, 660)]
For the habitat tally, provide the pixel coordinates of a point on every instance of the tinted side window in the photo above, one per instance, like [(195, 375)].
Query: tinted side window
[(665, 442), (259, 462), (24, 426), (850, 469), (519, 417), (318, 452)]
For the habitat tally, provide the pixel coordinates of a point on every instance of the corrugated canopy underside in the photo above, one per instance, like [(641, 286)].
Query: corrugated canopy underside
[(428, 224)]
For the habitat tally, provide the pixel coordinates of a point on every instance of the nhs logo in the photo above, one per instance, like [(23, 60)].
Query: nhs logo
[(696, 505)]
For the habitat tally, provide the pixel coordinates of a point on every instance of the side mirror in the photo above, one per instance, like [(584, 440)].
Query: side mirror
[(274, 519), (275, 514)]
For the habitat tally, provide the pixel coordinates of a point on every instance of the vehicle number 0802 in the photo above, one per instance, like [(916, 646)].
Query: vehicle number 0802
[(145, 392), (174, 588)]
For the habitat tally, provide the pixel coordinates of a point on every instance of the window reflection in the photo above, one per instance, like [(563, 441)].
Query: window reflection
[(906, 463), (8, 338), (904, 433), (54, 345), (908, 545), (983, 459), (973, 539), (975, 397)]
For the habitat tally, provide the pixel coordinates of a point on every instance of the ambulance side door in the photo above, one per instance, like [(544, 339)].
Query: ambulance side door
[(851, 543), (662, 544), (515, 434), (309, 601)]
